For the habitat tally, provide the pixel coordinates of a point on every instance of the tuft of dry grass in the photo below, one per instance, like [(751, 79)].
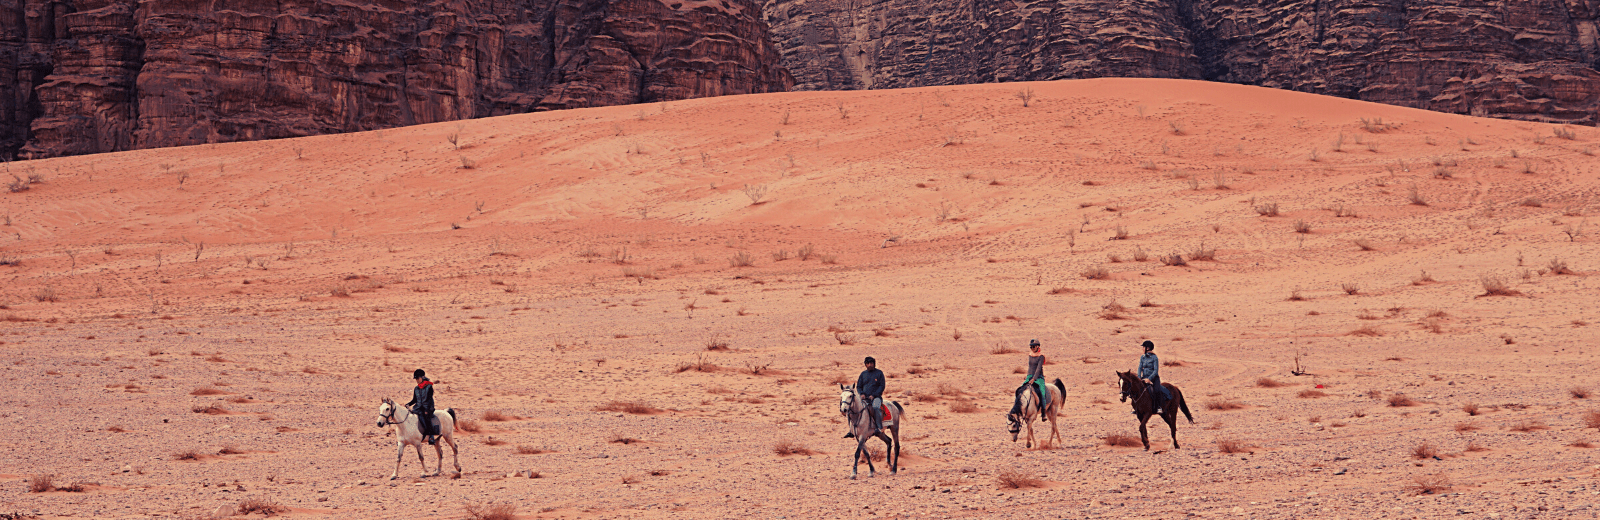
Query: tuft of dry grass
[(497, 416), (1591, 419), (1096, 273), (1496, 286), (230, 450), (1267, 382), (789, 447), (41, 483), (188, 455), (499, 511), (622, 439), (1222, 405), (1400, 400), (1581, 444), (1578, 392), (1002, 348), (1368, 330), (1301, 226), (206, 390), (964, 407), (1119, 440), (1310, 393), (1531, 425), (210, 410), (468, 425), (1013, 479), (1473, 446), (1424, 450), (633, 407), (1233, 446), (1471, 409), (524, 449), (1429, 484), (260, 505), (1269, 209), (698, 365), (1350, 288)]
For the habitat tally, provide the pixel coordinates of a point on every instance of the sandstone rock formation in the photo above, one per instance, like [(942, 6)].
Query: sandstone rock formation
[(1522, 59), (85, 76)]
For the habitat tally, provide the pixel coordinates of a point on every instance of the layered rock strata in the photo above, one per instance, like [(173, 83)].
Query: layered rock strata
[(86, 76), (1522, 59)]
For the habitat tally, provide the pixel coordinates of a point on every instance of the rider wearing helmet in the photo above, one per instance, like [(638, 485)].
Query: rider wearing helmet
[(1150, 371), (1035, 380), (421, 404), (870, 386)]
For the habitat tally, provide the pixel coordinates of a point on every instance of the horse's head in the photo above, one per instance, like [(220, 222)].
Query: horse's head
[(1127, 381), (847, 398), (386, 413)]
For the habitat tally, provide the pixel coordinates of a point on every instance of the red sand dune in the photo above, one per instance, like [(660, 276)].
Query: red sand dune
[(589, 256)]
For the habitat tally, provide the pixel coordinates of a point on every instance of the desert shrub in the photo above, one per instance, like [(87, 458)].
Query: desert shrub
[(1096, 273), (1429, 484), (1528, 426), (524, 449), (741, 259), (1400, 400), (1269, 209), (1350, 288), (698, 365), (210, 410), (1471, 409), (1367, 330), (41, 483), (633, 407), (1013, 479), (206, 390), (788, 447), (964, 407), (1233, 446), (1496, 286), (1591, 419), (1301, 226), (1578, 392), (1267, 382), (1222, 405), (260, 505), (1559, 266), (497, 416), (500, 511), (1424, 450)]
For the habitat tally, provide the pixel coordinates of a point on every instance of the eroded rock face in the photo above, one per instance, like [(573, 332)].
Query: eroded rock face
[(86, 76), (1523, 59)]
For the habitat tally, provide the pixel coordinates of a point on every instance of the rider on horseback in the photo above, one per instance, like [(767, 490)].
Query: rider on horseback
[(421, 404), (870, 387), (1035, 380), (1150, 371)]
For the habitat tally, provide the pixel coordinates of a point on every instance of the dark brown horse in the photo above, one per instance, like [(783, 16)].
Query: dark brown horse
[(1144, 405)]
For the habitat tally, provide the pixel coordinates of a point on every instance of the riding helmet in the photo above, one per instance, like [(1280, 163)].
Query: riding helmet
[(1033, 343), (1148, 345), (419, 374)]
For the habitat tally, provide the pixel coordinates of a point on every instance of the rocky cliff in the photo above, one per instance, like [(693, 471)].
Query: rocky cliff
[(85, 76), (1522, 59)]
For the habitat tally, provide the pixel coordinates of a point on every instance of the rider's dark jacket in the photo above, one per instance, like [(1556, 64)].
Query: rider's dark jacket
[(422, 398), (870, 384)]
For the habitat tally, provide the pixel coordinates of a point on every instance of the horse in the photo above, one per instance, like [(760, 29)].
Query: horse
[(1144, 405), (854, 409), (408, 432), (1028, 402)]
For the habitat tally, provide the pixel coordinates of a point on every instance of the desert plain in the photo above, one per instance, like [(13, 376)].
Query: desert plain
[(645, 311)]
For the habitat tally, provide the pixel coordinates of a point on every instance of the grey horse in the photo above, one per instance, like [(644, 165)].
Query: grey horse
[(855, 412)]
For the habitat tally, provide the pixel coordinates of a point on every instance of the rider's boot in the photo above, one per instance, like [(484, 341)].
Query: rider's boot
[(850, 435)]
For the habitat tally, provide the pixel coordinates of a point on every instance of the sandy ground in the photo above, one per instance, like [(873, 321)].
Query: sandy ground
[(589, 258)]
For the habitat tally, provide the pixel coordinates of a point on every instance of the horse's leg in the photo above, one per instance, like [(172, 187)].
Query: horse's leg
[(872, 471), (455, 453), (422, 460), (1172, 422), (400, 454), (1144, 434), (855, 463), (895, 432)]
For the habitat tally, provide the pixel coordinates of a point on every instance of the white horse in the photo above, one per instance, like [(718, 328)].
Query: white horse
[(854, 408), (408, 432), (1028, 402)]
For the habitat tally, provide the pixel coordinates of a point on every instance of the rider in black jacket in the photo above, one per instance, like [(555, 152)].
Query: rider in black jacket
[(421, 405), (870, 386)]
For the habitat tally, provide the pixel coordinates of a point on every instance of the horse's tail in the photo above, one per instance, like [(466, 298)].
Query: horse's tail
[(1183, 404), (452, 413), (1061, 387)]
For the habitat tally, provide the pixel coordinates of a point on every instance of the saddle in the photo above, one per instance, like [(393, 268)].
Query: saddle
[(888, 414)]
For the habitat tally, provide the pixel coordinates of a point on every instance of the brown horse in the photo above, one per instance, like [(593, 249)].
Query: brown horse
[(1144, 405)]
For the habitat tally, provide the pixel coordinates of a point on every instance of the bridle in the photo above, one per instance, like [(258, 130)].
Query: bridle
[(389, 418)]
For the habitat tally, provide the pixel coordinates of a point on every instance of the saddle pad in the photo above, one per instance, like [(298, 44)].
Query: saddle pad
[(888, 413)]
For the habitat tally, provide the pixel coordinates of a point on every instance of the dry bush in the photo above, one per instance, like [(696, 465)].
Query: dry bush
[(1366, 330), (788, 447), (1122, 441), (188, 455), (1301, 226), (260, 505), (1559, 266), (210, 410), (1471, 409), (1473, 446), (844, 339), (1222, 405), (1013, 479), (1310, 393), (1581, 444), (1531, 425), (1201, 253), (1365, 245), (41, 483), (1400, 400), (1269, 209), (622, 439), (1578, 392), (230, 450), (698, 365), (717, 344), (1267, 382), (524, 449), (1496, 286), (1174, 260), (1233, 446), (964, 407), (1060, 290), (1113, 311), (497, 416), (500, 511), (949, 390), (1096, 273), (633, 407), (1429, 484), (1591, 419), (741, 259), (206, 390), (1295, 296), (1466, 426), (1350, 288), (1002, 348), (468, 425), (1424, 450)]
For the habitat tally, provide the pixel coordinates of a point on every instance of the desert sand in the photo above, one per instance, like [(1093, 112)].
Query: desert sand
[(189, 330)]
